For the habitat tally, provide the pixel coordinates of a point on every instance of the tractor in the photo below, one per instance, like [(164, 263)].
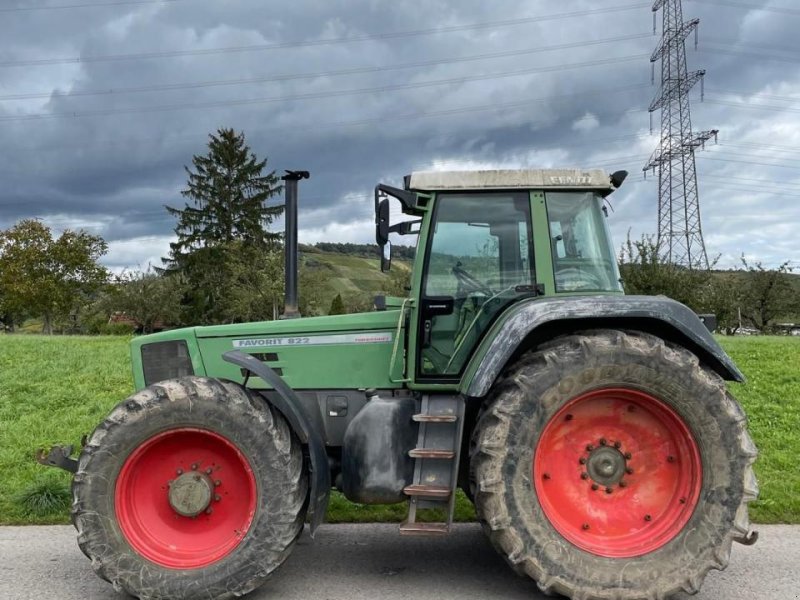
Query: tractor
[(592, 430)]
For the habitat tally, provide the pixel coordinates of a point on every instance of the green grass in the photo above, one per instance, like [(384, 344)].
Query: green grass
[(54, 390), (771, 398)]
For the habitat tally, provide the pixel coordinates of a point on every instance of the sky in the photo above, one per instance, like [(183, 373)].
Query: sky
[(103, 103)]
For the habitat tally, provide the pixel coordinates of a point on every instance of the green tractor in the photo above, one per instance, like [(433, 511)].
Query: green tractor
[(592, 430)]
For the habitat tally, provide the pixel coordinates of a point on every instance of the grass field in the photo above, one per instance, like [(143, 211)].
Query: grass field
[(55, 389)]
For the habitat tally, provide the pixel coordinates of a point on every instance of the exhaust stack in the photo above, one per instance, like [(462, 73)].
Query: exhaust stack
[(290, 310)]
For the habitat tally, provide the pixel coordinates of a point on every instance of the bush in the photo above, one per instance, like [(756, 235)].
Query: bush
[(45, 496)]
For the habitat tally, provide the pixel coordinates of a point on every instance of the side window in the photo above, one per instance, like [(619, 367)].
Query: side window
[(479, 259), (583, 258)]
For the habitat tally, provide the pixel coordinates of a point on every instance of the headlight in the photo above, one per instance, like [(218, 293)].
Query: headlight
[(165, 360)]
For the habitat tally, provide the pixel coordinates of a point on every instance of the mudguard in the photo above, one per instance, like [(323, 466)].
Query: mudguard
[(550, 317), (287, 402)]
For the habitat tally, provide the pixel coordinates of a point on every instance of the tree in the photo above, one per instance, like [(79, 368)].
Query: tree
[(223, 224), (148, 298), (768, 295), (644, 272), (228, 194), (337, 306), (47, 277)]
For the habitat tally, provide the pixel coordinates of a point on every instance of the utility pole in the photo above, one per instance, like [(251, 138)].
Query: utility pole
[(680, 235)]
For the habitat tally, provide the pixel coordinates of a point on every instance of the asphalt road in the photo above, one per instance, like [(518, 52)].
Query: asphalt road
[(359, 562)]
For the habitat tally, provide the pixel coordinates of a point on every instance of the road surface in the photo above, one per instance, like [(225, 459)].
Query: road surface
[(360, 562)]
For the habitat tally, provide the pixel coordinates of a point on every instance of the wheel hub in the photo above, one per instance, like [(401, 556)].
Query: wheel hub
[(606, 465), (617, 472), (191, 493)]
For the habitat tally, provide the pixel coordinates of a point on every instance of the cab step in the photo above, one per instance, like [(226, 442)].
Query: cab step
[(431, 453), (422, 418), (427, 491), (424, 528), (436, 458)]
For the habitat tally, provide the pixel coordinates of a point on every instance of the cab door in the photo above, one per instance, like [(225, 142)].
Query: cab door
[(478, 259)]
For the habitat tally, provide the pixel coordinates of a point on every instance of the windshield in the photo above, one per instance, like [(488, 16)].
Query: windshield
[(583, 259)]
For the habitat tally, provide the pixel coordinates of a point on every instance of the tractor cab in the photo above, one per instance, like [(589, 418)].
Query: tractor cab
[(488, 239)]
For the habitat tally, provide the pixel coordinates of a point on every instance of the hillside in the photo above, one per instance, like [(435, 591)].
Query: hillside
[(356, 277)]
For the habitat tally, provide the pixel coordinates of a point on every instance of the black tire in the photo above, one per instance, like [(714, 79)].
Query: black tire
[(534, 389), (259, 432)]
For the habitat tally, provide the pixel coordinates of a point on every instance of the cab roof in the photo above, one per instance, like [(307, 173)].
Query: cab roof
[(564, 179)]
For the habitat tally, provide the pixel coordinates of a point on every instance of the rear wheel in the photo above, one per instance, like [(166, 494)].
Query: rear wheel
[(190, 488), (612, 465)]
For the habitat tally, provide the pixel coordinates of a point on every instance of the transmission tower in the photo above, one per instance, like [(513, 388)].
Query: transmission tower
[(680, 236)]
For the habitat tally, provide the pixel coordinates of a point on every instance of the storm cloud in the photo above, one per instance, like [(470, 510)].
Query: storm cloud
[(102, 106)]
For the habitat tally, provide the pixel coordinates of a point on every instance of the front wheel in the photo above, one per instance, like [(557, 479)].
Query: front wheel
[(191, 488), (612, 465)]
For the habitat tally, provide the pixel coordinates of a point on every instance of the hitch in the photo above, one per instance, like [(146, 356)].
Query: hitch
[(58, 456), (748, 540)]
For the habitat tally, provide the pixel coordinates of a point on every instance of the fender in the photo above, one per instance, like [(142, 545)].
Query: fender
[(549, 317), (286, 401)]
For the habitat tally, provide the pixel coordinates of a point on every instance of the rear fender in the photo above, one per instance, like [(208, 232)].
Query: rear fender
[(537, 320), (287, 402)]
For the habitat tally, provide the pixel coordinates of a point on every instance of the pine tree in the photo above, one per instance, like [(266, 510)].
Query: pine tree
[(225, 215), (228, 193), (337, 306)]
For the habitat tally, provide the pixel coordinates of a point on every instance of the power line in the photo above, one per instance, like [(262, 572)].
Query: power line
[(126, 143), (790, 149), (746, 162), (336, 73), (317, 95), (707, 50), (87, 5), (753, 106), (767, 182), (322, 42), (756, 95), (774, 9)]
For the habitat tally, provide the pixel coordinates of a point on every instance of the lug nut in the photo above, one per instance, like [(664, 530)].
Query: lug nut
[(595, 487), (217, 497), (194, 466), (209, 510), (623, 483), (603, 441), (617, 444), (218, 483), (582, 460), (179, 471), (647, 517), (585, 526), (629, 471), (609, 490), (589, 448), (209, 471), (584, 476), (628, 456)]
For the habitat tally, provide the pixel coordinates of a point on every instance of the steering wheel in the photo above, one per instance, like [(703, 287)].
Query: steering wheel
[(471, 283), (578, 279)]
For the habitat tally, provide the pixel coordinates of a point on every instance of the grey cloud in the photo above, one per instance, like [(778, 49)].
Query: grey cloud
[(116, 172)]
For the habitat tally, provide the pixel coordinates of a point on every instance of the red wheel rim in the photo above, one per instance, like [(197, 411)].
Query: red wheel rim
[(144, 506), (617, 472)]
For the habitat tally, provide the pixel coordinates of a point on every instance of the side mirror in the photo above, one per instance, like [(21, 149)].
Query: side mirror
[(382, 221), (386, 256)]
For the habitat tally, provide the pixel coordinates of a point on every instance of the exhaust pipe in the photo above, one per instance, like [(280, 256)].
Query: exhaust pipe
[(290, 310)]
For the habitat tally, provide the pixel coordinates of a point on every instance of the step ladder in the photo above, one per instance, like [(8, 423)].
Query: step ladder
[(436, 458)]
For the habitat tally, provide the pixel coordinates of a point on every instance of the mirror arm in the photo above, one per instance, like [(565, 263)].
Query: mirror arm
[(406, 198)]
